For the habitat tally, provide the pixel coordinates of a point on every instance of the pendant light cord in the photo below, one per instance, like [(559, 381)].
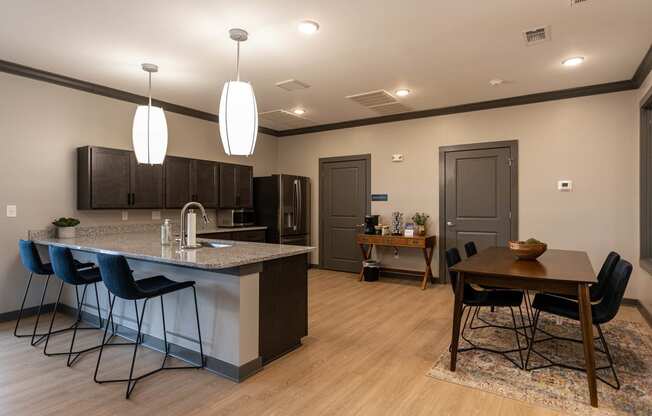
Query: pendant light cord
[(237, 63), (149, 109)]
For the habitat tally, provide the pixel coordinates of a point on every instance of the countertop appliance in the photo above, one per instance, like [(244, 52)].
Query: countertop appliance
[(283, 205), (370, 223), (240, 217)]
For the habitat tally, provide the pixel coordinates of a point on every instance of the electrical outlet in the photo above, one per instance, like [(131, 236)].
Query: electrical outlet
[(125, 215), (156, 215), (11, 211), (395, 253)]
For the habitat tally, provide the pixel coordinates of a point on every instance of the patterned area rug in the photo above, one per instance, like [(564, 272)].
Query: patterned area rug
[(557, 388)]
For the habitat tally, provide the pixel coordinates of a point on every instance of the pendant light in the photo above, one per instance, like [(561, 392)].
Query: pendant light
[(150, 130), (238, 111)]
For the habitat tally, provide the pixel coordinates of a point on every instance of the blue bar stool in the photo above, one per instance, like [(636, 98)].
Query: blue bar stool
[(118, 278), (64, 268), (31, 260)]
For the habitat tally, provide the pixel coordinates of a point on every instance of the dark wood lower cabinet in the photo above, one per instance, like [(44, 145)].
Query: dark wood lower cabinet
[(283, 310)]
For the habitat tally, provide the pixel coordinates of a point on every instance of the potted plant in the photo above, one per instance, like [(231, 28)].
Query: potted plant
[(66, 227), (420, 219)]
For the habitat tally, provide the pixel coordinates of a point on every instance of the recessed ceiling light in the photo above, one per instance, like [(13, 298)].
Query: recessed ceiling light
[(299, 111), (403, 92), (495, 82), (308, 27), (574, 61)]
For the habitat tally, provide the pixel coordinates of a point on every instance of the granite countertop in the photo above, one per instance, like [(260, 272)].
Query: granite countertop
[(212, 230), (147, 247)]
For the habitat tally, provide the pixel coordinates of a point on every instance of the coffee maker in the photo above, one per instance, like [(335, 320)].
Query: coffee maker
[(370, 223)]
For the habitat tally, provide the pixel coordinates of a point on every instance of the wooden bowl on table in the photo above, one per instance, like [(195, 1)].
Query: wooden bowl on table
[(527, 251)]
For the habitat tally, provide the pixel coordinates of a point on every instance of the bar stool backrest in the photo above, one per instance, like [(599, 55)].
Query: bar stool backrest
[(470, 249), (63, 265), (615, 287), (117, 276), (30, 258)]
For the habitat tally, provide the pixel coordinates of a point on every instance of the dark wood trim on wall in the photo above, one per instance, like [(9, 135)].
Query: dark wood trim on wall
[(77, 84), (513, 150), (631, 84), (465, 108), (643, 69)]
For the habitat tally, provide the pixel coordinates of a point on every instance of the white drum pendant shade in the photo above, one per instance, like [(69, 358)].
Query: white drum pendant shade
[(238, 118), (150, 135)]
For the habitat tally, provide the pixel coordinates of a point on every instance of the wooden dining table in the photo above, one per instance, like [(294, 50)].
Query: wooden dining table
[(556, 271)]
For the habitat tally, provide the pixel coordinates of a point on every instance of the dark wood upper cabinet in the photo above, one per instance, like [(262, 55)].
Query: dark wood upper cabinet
[(205, 183), (177, 181), (146, 185), (113, 179), (236, 186), (103, 178)]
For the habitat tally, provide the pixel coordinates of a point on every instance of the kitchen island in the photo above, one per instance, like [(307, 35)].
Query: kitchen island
[(253, 297)]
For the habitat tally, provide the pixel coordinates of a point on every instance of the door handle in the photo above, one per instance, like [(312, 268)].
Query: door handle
[(450, 223)]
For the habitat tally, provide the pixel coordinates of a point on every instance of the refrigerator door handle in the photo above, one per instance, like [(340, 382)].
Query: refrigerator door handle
[(300, 202), (295, 206)]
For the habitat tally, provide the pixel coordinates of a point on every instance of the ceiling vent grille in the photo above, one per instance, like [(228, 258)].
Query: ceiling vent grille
[(292, 85), (393, 108), (537, 35), (373, 98), (283, 120)]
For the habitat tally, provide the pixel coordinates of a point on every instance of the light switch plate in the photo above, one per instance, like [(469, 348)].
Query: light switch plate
[(398, 157), (156, 215), (125, 215), (565, 185), (11, 211)]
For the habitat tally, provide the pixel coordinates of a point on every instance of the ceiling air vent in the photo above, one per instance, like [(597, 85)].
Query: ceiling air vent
[(292, 85), (387, 109), (283, 120), (373, 98), (537, 35)]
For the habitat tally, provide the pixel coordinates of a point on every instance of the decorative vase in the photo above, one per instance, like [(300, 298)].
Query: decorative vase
[(421, 230), (397, 223), (65, 232)]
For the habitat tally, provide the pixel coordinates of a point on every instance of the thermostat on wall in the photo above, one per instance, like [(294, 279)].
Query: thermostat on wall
[(565, 185)]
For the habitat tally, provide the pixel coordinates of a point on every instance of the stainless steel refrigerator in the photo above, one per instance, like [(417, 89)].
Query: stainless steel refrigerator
[(282, 203)]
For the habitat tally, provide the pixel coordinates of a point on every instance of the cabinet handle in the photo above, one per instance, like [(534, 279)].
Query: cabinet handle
[(133, 199), (128, 198)]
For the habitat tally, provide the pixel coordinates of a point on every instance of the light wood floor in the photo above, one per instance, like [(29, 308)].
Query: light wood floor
[(369, 348)]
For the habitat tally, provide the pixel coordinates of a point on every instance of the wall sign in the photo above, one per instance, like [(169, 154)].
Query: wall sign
[(379, 197)]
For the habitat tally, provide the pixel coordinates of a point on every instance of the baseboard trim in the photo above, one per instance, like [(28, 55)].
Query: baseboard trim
[(27, 312), (212, 364), (641, 308)]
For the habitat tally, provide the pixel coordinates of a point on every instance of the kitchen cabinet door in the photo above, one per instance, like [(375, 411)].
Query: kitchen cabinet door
[(110, 174), (177, 181), (244, 187), (146, 185), (205, 183), (227, 189)]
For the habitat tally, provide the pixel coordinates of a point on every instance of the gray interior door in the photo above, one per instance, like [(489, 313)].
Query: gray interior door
[(344, 202), (478, 197)]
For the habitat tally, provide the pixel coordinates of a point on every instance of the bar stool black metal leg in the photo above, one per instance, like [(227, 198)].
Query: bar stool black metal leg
[(518, 342), (130, 386), (54, 314), (99, 311), (165, 333), (33, 342), (201, 348), (22, 306), (80, 304), (104, 340)]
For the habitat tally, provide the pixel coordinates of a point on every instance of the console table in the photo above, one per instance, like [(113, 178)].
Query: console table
[(426, 244)]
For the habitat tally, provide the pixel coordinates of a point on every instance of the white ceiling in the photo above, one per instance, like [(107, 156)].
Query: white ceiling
[(444, 51)]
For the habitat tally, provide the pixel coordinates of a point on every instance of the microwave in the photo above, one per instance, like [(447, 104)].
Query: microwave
[(236, 217)]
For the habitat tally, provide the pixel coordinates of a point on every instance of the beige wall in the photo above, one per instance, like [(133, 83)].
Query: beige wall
[(40, 126), (642, 280), (587, 140)]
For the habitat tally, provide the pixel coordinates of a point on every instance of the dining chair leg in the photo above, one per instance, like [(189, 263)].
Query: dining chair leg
[(609, 359), (518, 342), (534, 329), (22, 305), (35, 341)]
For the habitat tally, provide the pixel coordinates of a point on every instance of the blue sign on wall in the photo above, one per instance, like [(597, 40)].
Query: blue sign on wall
[(379, 197)]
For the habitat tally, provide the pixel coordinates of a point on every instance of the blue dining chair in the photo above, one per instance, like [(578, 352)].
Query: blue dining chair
[(31, 260), (118, 278)]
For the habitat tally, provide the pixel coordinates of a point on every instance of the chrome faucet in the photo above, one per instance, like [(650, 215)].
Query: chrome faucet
[(183, 234)]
